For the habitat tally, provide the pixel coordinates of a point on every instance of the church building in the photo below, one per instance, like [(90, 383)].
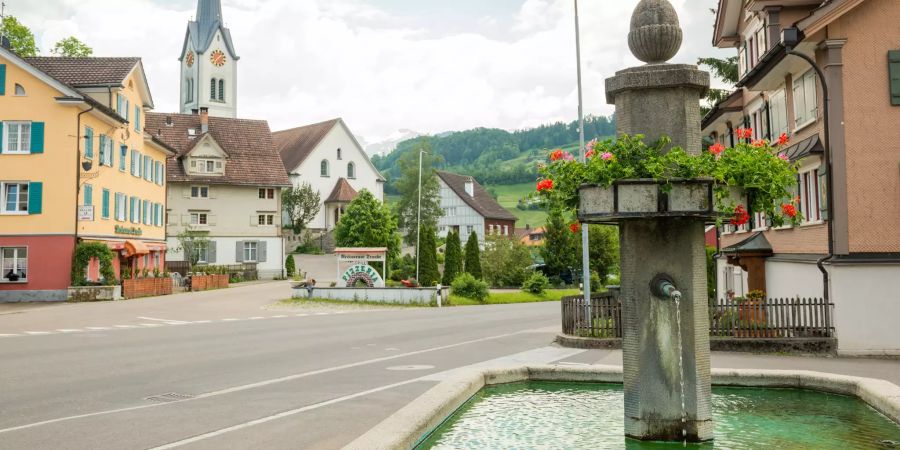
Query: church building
[(209, 64)]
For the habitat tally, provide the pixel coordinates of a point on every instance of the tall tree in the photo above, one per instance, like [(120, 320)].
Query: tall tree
[(726, 70), (453, 259), (473, 257), (560, 250), (604, 250), (408, 186), (301, 205), (21, 39), (429, 274), (72, 47), (368, 222)]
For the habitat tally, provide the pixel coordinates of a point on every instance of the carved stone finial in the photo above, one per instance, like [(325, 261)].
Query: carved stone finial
[(656, 34)]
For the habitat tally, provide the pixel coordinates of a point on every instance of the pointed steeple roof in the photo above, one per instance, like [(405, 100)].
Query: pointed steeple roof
[(209, 11), (204, 26)]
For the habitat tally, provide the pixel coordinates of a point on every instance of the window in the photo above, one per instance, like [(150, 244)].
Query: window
[(324, 168), (778, 113), (105, 204), (201, 250), (199, 219), (137, 118), (212, 89), (88, 195), (106, 151), (135, 163), (15, 198), (199, 192), (805, 106), (146, 218), (250, 251), (221, 90), (759, 124), (160, 174), (14, 264), (469, 229), (121, 206), (760, 40), (265, 193), (894, 76), (148, 168), (266, 219), (339, 155), (506, 230), (810, 198), (351, 171), (17, 137), (20, 91)]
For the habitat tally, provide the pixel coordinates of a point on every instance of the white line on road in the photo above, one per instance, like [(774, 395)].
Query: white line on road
[(230, 320), (154, 325), (9, 335), (98, 328), (126, 326), (257, 318), (277, 317), (69, 330), (167, 321), (203, 321), (37, 333), (265, 382)]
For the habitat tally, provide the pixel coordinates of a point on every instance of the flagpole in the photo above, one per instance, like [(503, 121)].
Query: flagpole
[(585, 237)]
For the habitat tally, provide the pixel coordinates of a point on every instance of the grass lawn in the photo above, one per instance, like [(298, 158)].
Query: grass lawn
[(320, 302), (508, 196), (516, 297)]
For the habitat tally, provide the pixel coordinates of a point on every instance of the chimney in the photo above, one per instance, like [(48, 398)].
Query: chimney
[(168, 122), (204, 120), (470, 186)]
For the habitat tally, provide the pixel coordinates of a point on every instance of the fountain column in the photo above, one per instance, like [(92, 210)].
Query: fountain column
[(666, 363)]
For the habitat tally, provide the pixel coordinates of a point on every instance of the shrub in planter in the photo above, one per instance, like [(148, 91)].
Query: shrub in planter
[(468, 286), (536, 284)]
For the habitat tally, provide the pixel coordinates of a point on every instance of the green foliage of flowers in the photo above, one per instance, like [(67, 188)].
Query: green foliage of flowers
[(84, 253), (757, 168)]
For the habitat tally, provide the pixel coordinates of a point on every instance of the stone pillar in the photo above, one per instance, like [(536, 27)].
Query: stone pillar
[(666, 379)]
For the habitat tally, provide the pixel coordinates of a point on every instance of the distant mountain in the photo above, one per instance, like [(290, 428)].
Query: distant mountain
[(494, 156), (389, 144)]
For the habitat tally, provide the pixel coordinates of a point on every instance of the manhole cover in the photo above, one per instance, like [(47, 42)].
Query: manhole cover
[(410, 368), (170, 397)]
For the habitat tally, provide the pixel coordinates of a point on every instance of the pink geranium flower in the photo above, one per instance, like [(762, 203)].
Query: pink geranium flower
[(607, 156)]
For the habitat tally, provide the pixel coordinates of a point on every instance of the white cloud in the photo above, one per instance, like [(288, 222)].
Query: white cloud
[(309, 60)]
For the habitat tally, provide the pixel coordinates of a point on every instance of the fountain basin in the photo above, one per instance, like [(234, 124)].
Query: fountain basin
[(409, 426)]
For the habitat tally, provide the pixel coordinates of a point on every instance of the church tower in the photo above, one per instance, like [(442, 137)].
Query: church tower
[(209, 64)]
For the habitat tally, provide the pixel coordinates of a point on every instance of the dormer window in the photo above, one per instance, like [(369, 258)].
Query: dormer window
[(207, 166)]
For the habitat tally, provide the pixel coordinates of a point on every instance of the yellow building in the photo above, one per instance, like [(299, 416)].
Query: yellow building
[(76, 165)]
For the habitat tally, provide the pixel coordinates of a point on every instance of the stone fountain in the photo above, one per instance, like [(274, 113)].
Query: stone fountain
[(663, 257)]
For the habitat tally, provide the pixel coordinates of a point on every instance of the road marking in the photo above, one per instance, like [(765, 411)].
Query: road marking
[(167, 321), (203, 321), (277, 317), (153, 325), (268, 382), (126, 326), (98, 328), (9, 335), (38, 333), (69, 330), (230, 320), (281, 415), (257, 318)]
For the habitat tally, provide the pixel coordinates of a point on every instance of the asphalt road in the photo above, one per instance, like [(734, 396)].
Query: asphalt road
[(227, 369)]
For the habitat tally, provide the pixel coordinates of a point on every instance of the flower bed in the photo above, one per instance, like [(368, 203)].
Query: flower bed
[(208, 282), (146, 287)]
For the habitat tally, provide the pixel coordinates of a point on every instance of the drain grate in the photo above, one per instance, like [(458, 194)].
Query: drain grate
[(169, 397)]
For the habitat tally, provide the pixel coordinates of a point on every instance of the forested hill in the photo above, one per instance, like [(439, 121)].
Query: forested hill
[(494, 156)]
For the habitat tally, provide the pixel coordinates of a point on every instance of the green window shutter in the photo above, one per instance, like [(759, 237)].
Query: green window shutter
[(37, 137), (894, 75), (35, 197), (88, 195), (89, 143), (2, 79), (105, 204)]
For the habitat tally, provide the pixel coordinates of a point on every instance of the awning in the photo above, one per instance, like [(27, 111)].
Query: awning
[(755, 244), (135, 248), (805, 148)]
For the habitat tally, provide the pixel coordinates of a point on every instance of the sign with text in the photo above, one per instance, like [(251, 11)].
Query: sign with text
[(364, 273), (129, 231), (86, 213)]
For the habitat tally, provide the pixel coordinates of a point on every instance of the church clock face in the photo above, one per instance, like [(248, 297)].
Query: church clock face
[(217, 58), (190, 59)]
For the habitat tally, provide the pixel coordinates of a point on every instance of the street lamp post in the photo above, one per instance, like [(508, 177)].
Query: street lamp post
[(585, 238), (419, 215), (791, 37)]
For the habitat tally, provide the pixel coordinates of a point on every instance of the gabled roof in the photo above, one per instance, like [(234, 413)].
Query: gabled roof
[(252, 159), (342, 192), (482, 202), (92, 72), (296, 144)]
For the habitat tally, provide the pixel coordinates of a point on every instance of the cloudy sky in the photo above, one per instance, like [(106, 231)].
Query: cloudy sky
[(382, 65)]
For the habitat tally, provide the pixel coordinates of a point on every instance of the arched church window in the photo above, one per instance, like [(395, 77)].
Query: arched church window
[(324, 168), (339, 154), (212, 89), (351, 171), (221, 90)]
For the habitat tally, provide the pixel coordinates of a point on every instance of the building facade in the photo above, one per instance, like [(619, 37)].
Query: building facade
[(208, 60), (857, 45), (469, 208), (76, 166), (327, 156), (225, 183)]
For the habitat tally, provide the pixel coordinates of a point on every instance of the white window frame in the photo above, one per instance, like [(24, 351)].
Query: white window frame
[(804, 115), (16, 266), (200, 219), (199, 191), (351, 170), (23, 139), (265, 220), (121, 207), (202, 251), (810, 195), (3, 198), (251, 251), (778, 113), (326, 165)]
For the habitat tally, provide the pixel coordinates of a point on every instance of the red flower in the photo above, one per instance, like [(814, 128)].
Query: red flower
[(789, 210), (590, 154), (741, 216), (759, 143), (716, 149), (744, 133), (556, 155), (783, 139), (544, 185), (575, 227)]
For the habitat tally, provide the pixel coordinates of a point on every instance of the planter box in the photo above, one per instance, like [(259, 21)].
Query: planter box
[(146, 287), (80, 294), (208, 282), (647, 198)]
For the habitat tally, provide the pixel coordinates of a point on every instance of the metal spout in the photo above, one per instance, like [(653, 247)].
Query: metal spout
[(663, 287)]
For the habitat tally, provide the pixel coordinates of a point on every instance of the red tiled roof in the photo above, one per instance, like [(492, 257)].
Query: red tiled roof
[(342, 192), (252, 159), (482, 202), (296, 144), (83, 72)]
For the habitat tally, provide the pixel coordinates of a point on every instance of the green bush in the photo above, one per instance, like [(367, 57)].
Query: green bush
[(505, 262), (468, 286), (536, 284), (86, 251), (290, 266)]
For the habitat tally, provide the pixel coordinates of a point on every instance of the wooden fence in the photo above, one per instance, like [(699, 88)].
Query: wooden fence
[(784, 318)]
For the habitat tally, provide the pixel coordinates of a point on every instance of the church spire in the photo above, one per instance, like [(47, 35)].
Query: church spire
[(209, 11)]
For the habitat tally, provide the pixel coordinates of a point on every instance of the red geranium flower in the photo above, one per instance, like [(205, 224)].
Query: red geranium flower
[(783, 139), (759, 143), (590, 154), (575, 227), (716, 149), (744, 133), (741, 216), (789, 210), (544, 185), (556, 155)]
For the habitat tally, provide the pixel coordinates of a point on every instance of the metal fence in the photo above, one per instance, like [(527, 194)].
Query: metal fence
[(783, 318)]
